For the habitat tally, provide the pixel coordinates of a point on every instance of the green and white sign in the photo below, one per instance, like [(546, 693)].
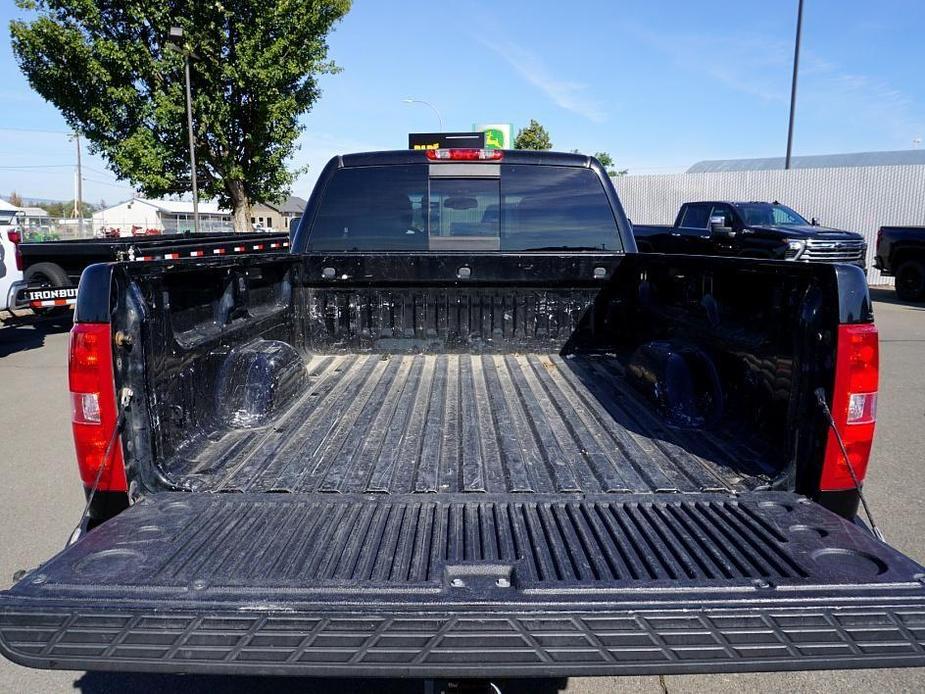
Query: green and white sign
[(497, 135)]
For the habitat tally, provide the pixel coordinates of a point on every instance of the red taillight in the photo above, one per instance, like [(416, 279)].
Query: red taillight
[(93, 402), (15, 238), (464, 154), (854, 405)]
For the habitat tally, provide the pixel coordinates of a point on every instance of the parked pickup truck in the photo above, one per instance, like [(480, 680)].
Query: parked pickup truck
[(901, 254), (9, 272), (750, 230), (465, 430), (51, 269)]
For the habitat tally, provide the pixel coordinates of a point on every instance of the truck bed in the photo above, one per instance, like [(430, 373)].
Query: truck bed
[(521, 423)]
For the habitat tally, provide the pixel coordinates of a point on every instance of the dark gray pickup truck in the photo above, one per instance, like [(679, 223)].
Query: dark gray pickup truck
[(465, 430)]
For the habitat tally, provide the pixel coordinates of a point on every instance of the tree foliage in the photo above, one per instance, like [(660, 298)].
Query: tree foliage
[(65, 208), (109, 67), (534, 136), (607, 162), (15, 199)]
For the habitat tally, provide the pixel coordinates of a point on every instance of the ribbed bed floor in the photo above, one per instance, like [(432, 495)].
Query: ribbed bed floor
[(469, 423)]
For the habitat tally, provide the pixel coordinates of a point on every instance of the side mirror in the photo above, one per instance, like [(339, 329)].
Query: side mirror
[(717, 228), (814, 222)]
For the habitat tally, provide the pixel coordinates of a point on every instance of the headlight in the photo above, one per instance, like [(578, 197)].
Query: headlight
[(796, 246)]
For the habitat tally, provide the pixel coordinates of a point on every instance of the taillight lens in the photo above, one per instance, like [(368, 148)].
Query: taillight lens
[(15, 238), (854, 405), (464, 154), (93, 405)]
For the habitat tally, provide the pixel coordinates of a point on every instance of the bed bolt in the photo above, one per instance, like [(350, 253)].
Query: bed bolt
[(458, 583), (199, 584), (920, 578), (40, 579), (503, 583), (761, 583)]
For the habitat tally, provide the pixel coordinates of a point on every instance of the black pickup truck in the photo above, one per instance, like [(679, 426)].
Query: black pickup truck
[(51, 269), (465, 430), (901, 254), (750, 230)]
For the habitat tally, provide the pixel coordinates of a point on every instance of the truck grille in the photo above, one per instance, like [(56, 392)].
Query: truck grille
[(834, 251)]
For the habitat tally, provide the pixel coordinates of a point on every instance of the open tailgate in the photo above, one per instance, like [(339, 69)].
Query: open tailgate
[(469, 586)]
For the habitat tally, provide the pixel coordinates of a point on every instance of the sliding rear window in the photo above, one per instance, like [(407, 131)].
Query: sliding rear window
[(466, 208)]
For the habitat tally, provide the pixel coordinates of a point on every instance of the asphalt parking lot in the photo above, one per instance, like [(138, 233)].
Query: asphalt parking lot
[(41, 502)]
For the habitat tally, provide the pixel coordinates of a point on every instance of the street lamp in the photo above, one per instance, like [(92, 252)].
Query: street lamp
[(176, 38), (793, 84), (427, 103)]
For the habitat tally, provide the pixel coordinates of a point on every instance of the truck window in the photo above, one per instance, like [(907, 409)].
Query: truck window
[(758, 213), (373, 208), (696, 217), (548, 207), (723, 214), (526, 208), (464, 214)]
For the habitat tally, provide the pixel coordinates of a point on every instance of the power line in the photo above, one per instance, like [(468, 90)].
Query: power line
[(22, 167), (107, 183), (36, 130)]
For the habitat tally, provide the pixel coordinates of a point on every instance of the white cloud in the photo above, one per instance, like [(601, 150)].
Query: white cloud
[(572, 96)]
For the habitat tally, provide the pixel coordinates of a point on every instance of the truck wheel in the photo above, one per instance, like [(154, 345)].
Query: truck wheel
[(910, 280), (51, 276)]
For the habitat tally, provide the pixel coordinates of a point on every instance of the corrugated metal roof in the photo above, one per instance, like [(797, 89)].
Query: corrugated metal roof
[(903, 157)]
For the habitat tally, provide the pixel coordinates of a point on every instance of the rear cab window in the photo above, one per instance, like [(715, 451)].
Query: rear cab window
[(696, 216), (464, 207)]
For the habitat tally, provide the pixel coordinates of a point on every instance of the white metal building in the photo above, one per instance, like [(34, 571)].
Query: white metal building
[(853, 195), (138, 215)]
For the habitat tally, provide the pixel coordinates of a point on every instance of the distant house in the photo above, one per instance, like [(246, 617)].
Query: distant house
[(34, 218), (30, 218), (141, 216), (277, 216)]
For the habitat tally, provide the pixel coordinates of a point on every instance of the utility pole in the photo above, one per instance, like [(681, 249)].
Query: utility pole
[(175, 41), (793, 84), (192, 145), (78, 191)]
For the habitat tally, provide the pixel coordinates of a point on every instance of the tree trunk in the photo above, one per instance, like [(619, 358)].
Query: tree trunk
[(240, 207)]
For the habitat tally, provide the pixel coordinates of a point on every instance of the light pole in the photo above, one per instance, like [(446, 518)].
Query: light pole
[(427, 103), (78, 190), (793, 84), (176, 37)]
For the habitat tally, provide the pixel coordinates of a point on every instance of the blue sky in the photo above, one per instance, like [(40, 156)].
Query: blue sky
[(659, 84)]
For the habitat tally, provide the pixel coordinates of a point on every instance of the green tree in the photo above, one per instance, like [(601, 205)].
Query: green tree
[(109, 67), (534, 136), (607, 162), (65, 208)]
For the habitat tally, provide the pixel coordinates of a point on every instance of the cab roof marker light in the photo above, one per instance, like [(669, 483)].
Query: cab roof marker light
[(464, 154)]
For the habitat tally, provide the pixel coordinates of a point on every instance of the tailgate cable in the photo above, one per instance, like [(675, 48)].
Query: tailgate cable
[(820, 398), (107, 456)]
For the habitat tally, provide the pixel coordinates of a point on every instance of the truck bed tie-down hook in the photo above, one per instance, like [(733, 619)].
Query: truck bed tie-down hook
[(820, 398), (125, 398)]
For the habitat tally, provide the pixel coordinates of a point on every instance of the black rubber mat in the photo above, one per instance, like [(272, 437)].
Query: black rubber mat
[(411, 585), (469, 423)]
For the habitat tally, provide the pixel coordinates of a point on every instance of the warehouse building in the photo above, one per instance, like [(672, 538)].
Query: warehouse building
[(857, 192)]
